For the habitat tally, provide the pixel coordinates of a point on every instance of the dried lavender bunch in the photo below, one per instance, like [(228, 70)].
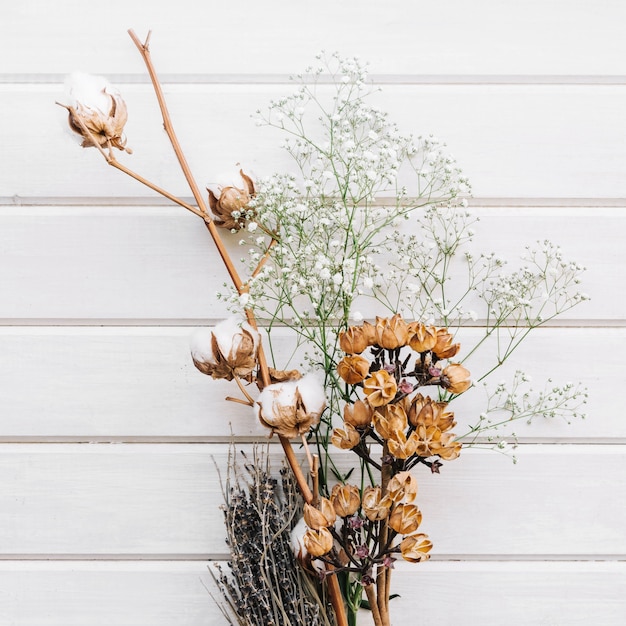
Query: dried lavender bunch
[(263, 584)]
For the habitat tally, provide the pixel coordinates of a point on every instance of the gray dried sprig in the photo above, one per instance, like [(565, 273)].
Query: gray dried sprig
[(263, 584)]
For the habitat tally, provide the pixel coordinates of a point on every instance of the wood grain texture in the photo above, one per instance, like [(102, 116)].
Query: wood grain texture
[(510, 140), (154, 264), (163, 593), (151, 500), (454, 37), (130, 383)]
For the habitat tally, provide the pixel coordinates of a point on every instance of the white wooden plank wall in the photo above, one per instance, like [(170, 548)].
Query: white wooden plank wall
[(101, 282)]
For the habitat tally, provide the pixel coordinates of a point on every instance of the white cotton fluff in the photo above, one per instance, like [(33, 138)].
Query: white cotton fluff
[(200, 345), (312, 393), (89, 90), (284, 395), (228, 335)]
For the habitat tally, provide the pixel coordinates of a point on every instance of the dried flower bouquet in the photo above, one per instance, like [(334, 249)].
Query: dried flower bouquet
[(370, 215)]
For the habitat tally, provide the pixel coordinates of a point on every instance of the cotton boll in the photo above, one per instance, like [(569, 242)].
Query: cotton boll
[(200, 345), (312, 393), (97, 112), (93, 92)]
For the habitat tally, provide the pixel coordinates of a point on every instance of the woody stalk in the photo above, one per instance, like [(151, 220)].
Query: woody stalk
[(98, 117)]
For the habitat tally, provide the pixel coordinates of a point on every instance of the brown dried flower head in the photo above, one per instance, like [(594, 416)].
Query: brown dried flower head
[(97, 111), (231, 208), (432, 441), (444, 348), (369, 331), (389, 420), (374, 506), (405, 518), (291, 408), (346, 499), (321, 517), (318, 542), (402, 486), (282, 376), (422, 338), (380, 388), (353, 340), (345, 438), (425, 411), (353, 368), (415, 548), (456, 378), (392, 332), (229, 350), (358, 414), (401, 446)]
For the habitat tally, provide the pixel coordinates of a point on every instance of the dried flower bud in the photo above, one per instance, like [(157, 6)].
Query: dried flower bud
[(358, 414), (353, 368), (405, 518), (444, 348), (97, 111), (369, 331), (391, 333), (431, 442), (345, 438), (402, 486), (380, 388), (389, 420), (374, 506), (449, 449), (229, 350), (321, 517), (231, 208), (346, 500), (318, 542), (402, 447), (291, 408), (422, 338), (281, 376), (353, 340), (415, 548), (425, 411), (455, 378)]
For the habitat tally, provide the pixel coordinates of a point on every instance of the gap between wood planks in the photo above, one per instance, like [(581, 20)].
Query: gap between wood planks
[(377, 79)]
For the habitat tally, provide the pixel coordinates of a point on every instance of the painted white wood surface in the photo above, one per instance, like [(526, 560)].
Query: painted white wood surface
[(121, 263), (138, 383), (164, 593), (278, 36), (550, 152), (97, 298), (162, 501)]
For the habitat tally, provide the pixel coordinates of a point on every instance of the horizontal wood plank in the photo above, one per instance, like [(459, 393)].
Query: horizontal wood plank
[(162, 501), (421, 37), (165, 593), (552, 141), (158, 263), (138, 383)]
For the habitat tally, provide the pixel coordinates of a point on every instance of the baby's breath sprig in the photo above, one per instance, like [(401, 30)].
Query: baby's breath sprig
[(511, 402)]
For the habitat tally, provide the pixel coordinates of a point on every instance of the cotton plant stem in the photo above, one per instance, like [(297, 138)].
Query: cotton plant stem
[(112, 161), (193, 185), (333, 585)]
